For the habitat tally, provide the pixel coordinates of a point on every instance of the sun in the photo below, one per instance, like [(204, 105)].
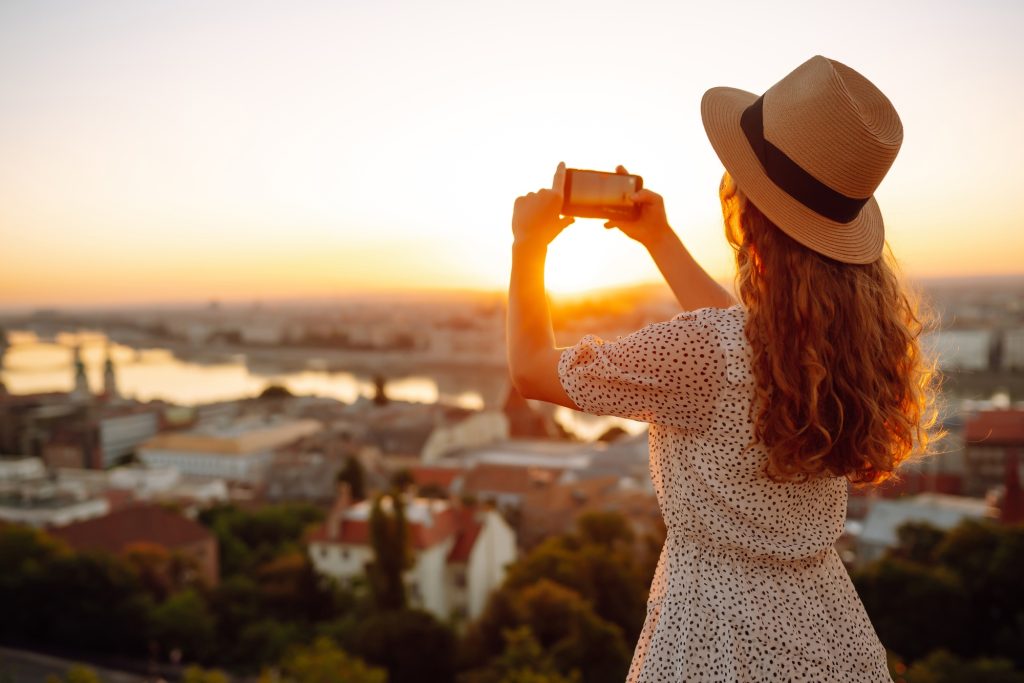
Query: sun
[(588, 256)]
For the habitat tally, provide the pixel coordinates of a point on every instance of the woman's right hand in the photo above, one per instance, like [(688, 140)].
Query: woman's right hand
[(652, 225)]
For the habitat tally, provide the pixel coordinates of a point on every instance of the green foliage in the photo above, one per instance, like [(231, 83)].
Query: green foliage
[(606, 529), (161, 571), (77, 673), (260, 616), (411, 644), (943, 667), (524, 661), (918, 541), (391, 556), (197, 674), (184, 622), (599, 565), (958, 591), (914, 608), (581, 596), (563, 623), (324, 662), (250, 538), (263, 642)]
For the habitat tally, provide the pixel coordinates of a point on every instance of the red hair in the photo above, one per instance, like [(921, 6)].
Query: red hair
[(843, 388)]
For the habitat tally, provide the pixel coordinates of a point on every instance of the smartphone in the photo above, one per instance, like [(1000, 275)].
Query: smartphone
[(599, 194)]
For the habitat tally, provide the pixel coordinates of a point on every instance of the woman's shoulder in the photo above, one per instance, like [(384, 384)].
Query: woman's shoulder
[(728, 325), (725, 319)]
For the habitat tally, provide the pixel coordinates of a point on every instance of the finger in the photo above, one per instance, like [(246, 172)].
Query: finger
[(645, 196), (566, 222), (621, 170), (559, 180)]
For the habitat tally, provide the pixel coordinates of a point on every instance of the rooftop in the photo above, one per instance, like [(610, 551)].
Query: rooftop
[(995, 428), (242, 436), (130, 525)]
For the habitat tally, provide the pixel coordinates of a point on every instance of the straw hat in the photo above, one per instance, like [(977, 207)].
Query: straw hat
[(809, 154)]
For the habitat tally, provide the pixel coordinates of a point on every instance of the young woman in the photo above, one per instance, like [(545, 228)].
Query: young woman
[(761, 411)]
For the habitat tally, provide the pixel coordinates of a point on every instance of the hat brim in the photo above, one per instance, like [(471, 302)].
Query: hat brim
[(859, 241)]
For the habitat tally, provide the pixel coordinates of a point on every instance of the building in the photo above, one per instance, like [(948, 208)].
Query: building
[(17, 469), (42, 503), (507, 485), (239, 452), (555, 510), (473, 430), (1013, 349), (994, 440), (961, 349), (302, 477), (147, 524), (460, 553)]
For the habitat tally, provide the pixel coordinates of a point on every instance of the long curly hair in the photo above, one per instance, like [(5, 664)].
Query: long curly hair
[(843, 387)]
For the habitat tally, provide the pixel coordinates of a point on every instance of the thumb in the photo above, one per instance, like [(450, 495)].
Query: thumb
[(565, 222)]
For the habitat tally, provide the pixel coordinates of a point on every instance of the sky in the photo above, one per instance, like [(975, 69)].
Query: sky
[(183, 151)]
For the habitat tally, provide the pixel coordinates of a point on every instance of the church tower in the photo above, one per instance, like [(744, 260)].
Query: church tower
[(109, 380), (81, 391)]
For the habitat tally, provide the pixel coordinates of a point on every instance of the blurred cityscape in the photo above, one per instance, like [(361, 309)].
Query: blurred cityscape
[(191, 492)]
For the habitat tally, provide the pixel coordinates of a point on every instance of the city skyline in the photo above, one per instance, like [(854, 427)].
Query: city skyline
[(188, 152)]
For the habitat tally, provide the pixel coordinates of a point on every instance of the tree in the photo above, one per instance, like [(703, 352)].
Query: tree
[(76, 673), (524, 661), (599, 565), (917, 541), (161, 571), (411, 644), (563, 623), (184, 622), (914, 608), (380, 396), (943, 667), (389, 537), (275, 391), (197, 674), (250, 538), (324, 662), (353, 474)]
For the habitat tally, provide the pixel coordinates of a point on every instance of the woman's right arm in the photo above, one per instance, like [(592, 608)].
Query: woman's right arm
[(690, 283)]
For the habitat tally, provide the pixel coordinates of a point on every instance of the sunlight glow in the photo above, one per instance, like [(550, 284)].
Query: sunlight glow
[(276, 151)]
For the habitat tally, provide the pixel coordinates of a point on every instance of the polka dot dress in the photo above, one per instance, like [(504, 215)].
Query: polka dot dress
[(749, 586)]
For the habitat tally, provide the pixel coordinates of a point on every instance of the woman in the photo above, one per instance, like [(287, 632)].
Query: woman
[(762, 411)]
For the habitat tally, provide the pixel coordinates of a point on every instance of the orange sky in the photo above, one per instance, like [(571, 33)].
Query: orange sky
[(170, 152)]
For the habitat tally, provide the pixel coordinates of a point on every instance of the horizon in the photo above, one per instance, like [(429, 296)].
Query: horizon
[(442, 294), (156, 155)]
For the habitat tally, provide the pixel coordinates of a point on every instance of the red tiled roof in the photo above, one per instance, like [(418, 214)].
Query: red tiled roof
[(438, 476), (487, 478), (133, 524), (421, 536), (469, 531), (995, 428)]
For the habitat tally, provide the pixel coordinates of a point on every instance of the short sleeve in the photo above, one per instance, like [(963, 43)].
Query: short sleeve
[(668, 373)]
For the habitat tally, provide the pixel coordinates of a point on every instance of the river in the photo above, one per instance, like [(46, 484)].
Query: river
[(32, 365)]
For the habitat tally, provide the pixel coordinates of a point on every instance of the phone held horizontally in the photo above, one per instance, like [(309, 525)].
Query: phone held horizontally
[(599, 194)]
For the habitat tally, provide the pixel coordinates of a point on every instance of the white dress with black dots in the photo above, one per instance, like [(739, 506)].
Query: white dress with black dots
[(749, 586)]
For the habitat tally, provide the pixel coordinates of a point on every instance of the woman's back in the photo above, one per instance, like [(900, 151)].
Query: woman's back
[(748, 585)]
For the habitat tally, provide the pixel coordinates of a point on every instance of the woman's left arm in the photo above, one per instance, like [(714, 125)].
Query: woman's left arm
[(532, 355)]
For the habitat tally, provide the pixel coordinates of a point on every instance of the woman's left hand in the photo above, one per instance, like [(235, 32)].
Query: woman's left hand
[(536, 218)]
